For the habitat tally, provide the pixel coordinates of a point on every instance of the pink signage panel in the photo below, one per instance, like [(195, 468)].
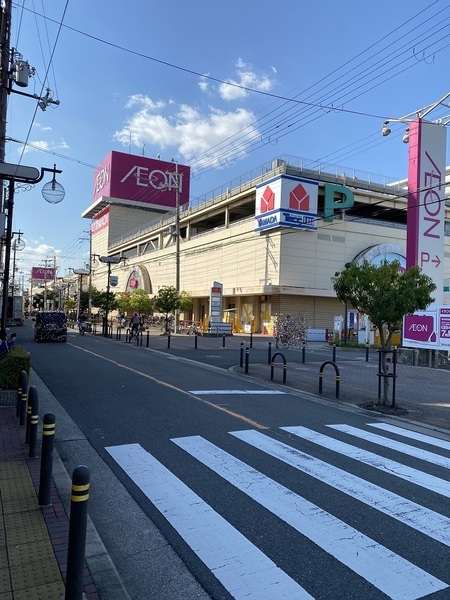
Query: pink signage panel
[(426, 201), (141, 179), (100, 221), (43, 273)]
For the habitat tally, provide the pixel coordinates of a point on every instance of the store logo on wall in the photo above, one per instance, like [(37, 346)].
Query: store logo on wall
[(267, 200), (286, 201)]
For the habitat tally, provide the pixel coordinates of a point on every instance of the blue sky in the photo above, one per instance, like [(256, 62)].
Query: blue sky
[(312, 80)]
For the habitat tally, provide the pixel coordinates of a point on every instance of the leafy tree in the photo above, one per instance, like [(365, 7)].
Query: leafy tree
[(69, 304), (123, 301), (167, 301), (386, 295), (140, 302), (290, 330), (99, 300), (186, 302)]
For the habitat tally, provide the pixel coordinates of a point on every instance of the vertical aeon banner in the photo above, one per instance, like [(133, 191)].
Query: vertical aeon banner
[(100, 221), (426, 205), (286, 202), (141, 179)]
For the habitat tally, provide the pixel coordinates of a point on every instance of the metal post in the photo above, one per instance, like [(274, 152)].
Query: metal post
[(34, 420), (168, 340), (251, 339), (303, 354), (223, 341), (241, 357), (45, 479), (334, 352), (148, 338), (247, 356), (195, 341), (269, 353), (77, 533), (367, 351)]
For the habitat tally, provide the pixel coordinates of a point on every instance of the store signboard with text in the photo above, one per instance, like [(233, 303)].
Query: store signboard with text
[(428, 329)]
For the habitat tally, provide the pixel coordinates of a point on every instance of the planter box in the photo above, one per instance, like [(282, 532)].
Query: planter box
[(8, 397)]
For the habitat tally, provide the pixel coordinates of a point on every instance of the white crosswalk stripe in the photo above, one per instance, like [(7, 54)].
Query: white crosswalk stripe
[(244, 569)]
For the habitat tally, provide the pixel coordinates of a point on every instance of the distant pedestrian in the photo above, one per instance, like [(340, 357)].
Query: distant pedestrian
[(134, 324)]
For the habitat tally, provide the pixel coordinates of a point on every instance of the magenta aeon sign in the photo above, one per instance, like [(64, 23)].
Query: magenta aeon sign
[(141, 179), (426, 201), (43, 273), (419, 328)]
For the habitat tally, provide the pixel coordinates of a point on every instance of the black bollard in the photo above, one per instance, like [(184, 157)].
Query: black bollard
[(45, 478), (303, 354), (251, 339), (241, 358), (334, 352), (223, 340), (247, 356), (77, 533), (367, 351), (22, 389), (168, 340), (148, 338), (269, 353), (28, 419), (195, 341), (34, 420)]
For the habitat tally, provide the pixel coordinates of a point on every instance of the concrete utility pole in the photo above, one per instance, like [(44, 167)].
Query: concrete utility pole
[(5, 50)]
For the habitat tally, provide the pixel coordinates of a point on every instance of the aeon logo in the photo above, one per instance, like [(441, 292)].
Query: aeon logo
[(102, 179), (299, 198), (267, 200), (157, 179)]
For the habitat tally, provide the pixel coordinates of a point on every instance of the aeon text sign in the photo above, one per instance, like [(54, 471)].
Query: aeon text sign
[(426, 201), (286, 201), (141, 179), (430, 329)]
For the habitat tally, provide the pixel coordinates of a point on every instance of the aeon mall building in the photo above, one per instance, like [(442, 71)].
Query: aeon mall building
[(270, 241)]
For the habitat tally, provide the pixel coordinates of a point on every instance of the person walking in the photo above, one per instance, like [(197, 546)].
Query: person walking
[(134, 324)]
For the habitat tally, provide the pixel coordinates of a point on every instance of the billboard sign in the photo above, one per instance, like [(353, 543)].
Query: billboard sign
[(426, 201), (43, 273), (100, 221), (428, 329), (286, 201), (141, 179)]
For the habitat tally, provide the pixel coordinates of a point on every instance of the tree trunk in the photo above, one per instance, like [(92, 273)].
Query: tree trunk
[(383, 401)]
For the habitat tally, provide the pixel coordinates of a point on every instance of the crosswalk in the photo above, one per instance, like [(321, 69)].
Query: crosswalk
[(374, 563)]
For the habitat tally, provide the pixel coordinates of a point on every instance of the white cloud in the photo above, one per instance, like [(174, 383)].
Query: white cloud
[(34, 145), (189, 131), (246, 78)]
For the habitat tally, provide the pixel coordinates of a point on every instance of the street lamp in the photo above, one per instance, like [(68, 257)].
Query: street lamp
[(109, 260), (80, 272), (53, 192)]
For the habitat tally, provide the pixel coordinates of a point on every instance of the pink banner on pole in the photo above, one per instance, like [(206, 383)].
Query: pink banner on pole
[(426, 201), (141, 179)]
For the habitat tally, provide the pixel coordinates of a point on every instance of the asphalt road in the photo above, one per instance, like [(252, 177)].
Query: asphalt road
[(205, 484)]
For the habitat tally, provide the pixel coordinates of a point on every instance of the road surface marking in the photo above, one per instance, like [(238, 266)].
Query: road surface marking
[(245, 571), (398, 578), (235, 392), (413, 435), (368, 436), (410, 513), (390, 467)]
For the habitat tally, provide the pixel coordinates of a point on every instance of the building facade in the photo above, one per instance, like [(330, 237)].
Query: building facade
[(274, 239)]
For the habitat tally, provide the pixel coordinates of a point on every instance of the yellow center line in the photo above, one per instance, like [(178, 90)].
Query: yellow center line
[(173, 387)]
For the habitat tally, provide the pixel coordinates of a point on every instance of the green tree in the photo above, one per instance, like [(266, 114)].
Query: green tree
[(140, 302), (123, 302), (385, 294), (99, 300), (186, 302), (166, 302), (69, 304)]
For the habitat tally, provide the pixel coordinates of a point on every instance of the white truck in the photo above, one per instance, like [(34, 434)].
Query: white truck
[(14, 311)]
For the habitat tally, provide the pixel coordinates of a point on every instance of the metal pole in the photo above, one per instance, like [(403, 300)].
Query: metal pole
[(105, 333), (177, 243), (247, 356), (10, 205)]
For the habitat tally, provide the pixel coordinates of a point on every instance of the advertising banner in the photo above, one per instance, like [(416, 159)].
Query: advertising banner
[(426, 201), (141, 179), (428, 329), (43, 273), (286, 201)]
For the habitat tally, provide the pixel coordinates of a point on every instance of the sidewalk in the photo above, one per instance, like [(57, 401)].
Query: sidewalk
[(33, 540)]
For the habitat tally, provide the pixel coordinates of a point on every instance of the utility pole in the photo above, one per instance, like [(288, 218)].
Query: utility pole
[(5, 50)]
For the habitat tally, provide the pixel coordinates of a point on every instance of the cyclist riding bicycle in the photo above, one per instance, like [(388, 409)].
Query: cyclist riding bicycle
[(134, 324)]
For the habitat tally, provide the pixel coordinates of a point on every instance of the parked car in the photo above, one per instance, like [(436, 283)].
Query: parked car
[(50, 326)]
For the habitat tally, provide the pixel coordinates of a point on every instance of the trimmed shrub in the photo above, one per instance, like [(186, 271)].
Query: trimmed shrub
[(11, 365)]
